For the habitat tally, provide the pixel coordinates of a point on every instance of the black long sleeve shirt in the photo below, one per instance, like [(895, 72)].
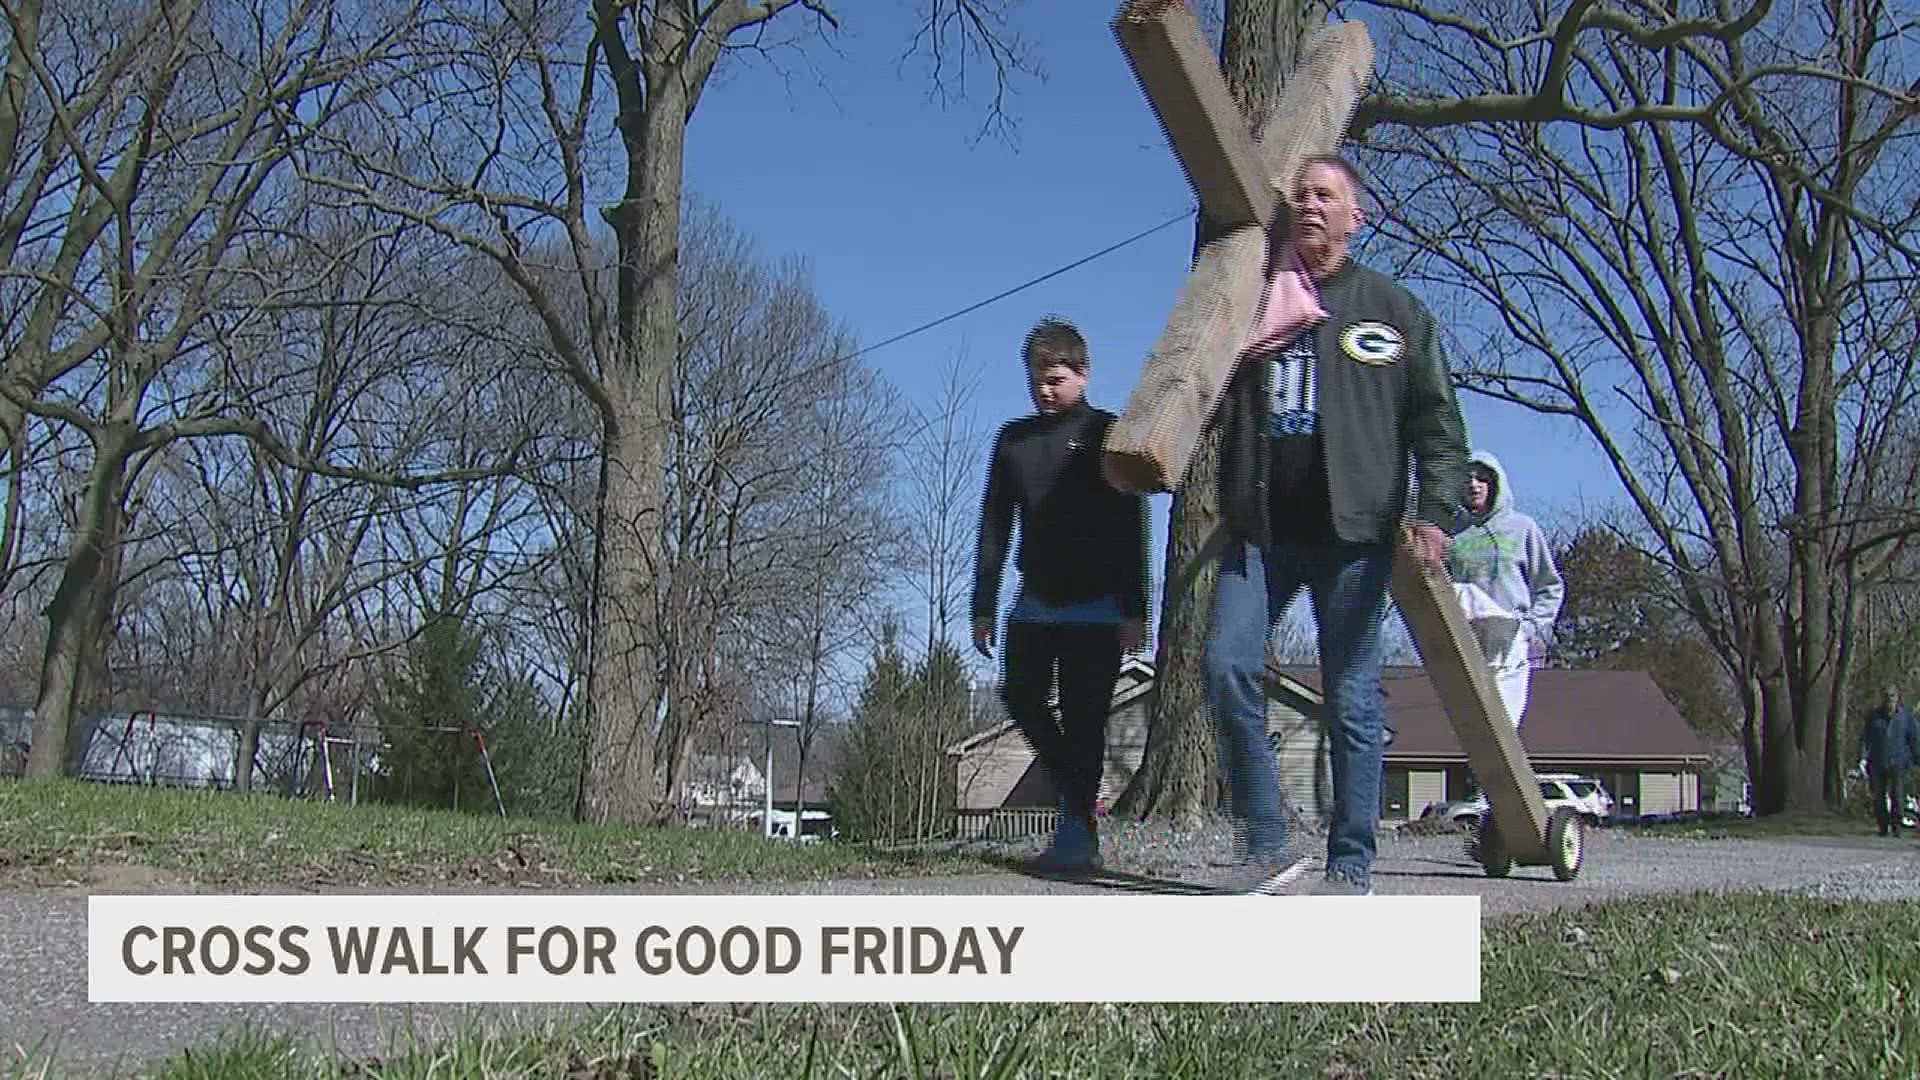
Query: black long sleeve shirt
[(1080, 539)]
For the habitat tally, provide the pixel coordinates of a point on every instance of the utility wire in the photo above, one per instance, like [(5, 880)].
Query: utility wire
[(1023, 286)]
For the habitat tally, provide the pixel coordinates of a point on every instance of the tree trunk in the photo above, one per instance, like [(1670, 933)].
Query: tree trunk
[(1833, 791), (69, 674), (1262, 41), (1175, 780), (249, 746), (619, 780), (244, 754), (800, 790), (1779, 754)]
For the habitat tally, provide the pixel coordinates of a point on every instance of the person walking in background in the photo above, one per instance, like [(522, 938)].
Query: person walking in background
[(1509, 589), (1889, 745), (1503, 571)]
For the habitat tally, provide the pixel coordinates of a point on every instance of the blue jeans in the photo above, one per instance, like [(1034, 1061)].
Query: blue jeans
[(1348, 585)]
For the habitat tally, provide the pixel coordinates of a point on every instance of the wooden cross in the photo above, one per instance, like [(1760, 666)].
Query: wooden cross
[(1237, 179)]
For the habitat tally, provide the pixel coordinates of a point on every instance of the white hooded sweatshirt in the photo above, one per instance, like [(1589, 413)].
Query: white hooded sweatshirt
[(1505, 555)]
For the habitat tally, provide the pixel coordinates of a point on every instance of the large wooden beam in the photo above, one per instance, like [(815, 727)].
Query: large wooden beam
[(1318, 101), (1151, 444), (1460, 673), (1174, 64)]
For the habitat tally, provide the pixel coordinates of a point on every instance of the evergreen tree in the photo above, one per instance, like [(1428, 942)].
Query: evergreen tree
[(440, 706), (893, 779)]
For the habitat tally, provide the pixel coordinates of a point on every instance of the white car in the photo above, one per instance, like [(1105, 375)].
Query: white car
[(818, 826), (1587, 796)]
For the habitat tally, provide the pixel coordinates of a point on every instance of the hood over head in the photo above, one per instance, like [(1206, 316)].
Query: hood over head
[(1502, 500)]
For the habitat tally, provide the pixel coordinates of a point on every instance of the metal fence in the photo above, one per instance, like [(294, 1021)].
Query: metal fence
[(171, 750), (156, 748)]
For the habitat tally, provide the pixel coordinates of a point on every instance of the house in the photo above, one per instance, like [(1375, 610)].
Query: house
[(721, 789), (1000, 788), (726, 785), (1615, 725), (1726, 790)]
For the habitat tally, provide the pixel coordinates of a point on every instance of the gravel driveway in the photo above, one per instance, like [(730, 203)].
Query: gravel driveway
[(43, 935)]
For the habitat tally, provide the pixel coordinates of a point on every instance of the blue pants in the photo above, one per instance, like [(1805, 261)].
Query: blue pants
[(1889, 801), (1348, 585)]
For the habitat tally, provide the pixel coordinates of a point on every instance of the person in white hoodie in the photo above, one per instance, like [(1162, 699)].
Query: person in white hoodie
[(1503, 570)]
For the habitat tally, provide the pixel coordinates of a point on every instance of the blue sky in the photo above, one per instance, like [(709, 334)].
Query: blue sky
[(905, 218)]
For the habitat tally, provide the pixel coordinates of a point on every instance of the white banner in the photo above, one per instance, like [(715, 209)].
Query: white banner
[(522, 948)]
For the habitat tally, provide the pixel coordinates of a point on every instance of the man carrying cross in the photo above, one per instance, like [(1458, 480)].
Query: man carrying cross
[(1326, 377), (1318, 426)]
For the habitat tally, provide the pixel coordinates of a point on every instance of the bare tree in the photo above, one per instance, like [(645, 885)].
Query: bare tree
[(1709, 267), (239, 595), (943, 483), (657, 88), (150, 190), (840, 560), (776, 486), (530, 167)]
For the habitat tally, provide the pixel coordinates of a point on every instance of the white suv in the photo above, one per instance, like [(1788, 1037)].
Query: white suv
[(1587, 796)]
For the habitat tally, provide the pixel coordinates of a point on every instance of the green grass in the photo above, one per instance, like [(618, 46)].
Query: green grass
[(55, 832), (1748, 986)]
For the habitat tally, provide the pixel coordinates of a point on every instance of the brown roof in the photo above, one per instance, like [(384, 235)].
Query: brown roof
[(1589, 716)]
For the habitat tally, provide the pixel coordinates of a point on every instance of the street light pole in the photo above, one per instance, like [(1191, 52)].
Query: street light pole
[(766, 778)]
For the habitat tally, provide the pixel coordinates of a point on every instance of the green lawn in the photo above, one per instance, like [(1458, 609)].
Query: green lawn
[(1701, 986), (55, 832)]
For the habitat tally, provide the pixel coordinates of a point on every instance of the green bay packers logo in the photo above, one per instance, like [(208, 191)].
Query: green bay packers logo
[(1372, 343)]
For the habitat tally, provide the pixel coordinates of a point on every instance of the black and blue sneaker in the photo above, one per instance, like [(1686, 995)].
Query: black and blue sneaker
[(1075, 848)]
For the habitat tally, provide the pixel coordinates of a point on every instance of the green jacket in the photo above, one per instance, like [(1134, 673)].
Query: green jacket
[(1387, 416)]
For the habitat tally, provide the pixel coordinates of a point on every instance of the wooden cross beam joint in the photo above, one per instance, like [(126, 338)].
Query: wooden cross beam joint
[(1237, 179)]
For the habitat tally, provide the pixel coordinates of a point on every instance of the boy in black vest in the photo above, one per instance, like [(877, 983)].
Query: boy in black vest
[(1082, 603)]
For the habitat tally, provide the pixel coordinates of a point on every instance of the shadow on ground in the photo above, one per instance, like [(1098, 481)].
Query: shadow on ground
[(1117, 880)]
